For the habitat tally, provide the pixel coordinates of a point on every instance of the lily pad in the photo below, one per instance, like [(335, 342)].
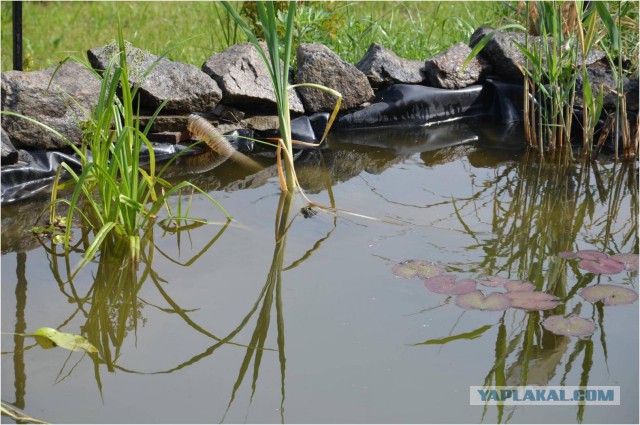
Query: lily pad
[(609, 294), (602, 266), (447, 284), (570, 326), (630, 261), (590, 254), (416, 268), (518, 285), (69, 341), (494, 281), (567, 254), (533, 300), (476, 300)]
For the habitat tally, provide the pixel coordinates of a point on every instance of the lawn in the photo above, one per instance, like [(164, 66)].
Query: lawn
[(195, 30)]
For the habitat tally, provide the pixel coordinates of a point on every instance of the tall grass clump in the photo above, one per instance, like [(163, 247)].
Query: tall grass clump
[(114, 194), (278, 47)]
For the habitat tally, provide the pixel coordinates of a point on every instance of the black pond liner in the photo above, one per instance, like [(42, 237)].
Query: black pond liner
[(402, 118)]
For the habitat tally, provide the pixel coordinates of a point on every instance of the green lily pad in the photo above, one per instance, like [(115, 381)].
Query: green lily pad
[(69, 341), (477, 301), (533, 300), (570, 326), (609, 294), (416, 268)]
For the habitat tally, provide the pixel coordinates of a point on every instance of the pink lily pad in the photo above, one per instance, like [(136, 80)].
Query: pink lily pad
[(570, 326), (630, 261), (532, 300), (590, 254), (609, 294), (518, 285), (416, 268), (494, 281), (476, 300), (602, 266), (567, 254), (447, 284)]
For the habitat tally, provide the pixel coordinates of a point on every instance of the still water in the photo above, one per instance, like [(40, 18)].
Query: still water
[(275, 317)]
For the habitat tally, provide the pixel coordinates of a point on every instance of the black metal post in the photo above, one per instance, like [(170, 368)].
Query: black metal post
[(17, 35)]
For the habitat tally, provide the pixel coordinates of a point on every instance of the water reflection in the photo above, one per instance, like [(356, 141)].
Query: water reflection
[(539, 210)]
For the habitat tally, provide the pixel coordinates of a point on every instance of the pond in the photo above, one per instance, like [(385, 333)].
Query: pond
[(294, 315)]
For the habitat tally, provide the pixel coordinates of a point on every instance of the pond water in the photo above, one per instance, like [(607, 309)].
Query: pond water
[(255, 321)]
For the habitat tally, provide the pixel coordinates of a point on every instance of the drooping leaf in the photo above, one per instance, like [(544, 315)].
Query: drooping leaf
[(69, 341), (476, 300), (416, 268), (532, 300), (447, 284), (609, 294), (467, 335), (570, 326)]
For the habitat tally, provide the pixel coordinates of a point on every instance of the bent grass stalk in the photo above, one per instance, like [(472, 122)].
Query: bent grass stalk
[(279, 75)]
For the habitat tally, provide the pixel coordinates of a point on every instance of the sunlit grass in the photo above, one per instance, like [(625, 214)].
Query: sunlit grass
[(415, 30)]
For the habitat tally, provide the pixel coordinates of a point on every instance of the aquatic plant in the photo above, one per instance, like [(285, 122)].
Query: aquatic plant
[(533, 300), (476, 300), (447, 284), (114, 194), (569, 326), (279, 74), (416, 268), (609, 294)]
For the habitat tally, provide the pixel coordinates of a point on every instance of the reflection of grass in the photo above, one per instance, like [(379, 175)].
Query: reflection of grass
[(539, 210)]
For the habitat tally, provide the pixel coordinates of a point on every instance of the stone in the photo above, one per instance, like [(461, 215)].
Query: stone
[(319, 65), (443, 70), (244, 79), (505, 57), (9, 152), (186, 87), (601, 75), (70, 99), (383, 68)]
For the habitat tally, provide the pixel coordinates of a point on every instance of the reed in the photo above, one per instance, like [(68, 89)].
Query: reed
[(114, 194), (279, 74)]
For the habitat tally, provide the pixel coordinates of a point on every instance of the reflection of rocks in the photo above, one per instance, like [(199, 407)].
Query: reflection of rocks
[(446, 155), (342, 165), (17, 220)]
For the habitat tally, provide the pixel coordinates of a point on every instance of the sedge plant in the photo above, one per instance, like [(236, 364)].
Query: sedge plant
[(114, 194), (279, 74)]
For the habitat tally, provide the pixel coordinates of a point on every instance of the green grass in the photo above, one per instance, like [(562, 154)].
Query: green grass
[(415, 30)]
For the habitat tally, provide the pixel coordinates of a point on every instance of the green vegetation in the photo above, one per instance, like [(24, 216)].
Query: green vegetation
[(415, 30), (114, 194)]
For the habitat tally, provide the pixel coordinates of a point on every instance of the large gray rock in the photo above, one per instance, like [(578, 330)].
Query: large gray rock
[(504, 56), (600, 75), (383, 68), (443, 70), (319, 65), (9, 153), (187, 88), (70, 99), (244, 79)]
